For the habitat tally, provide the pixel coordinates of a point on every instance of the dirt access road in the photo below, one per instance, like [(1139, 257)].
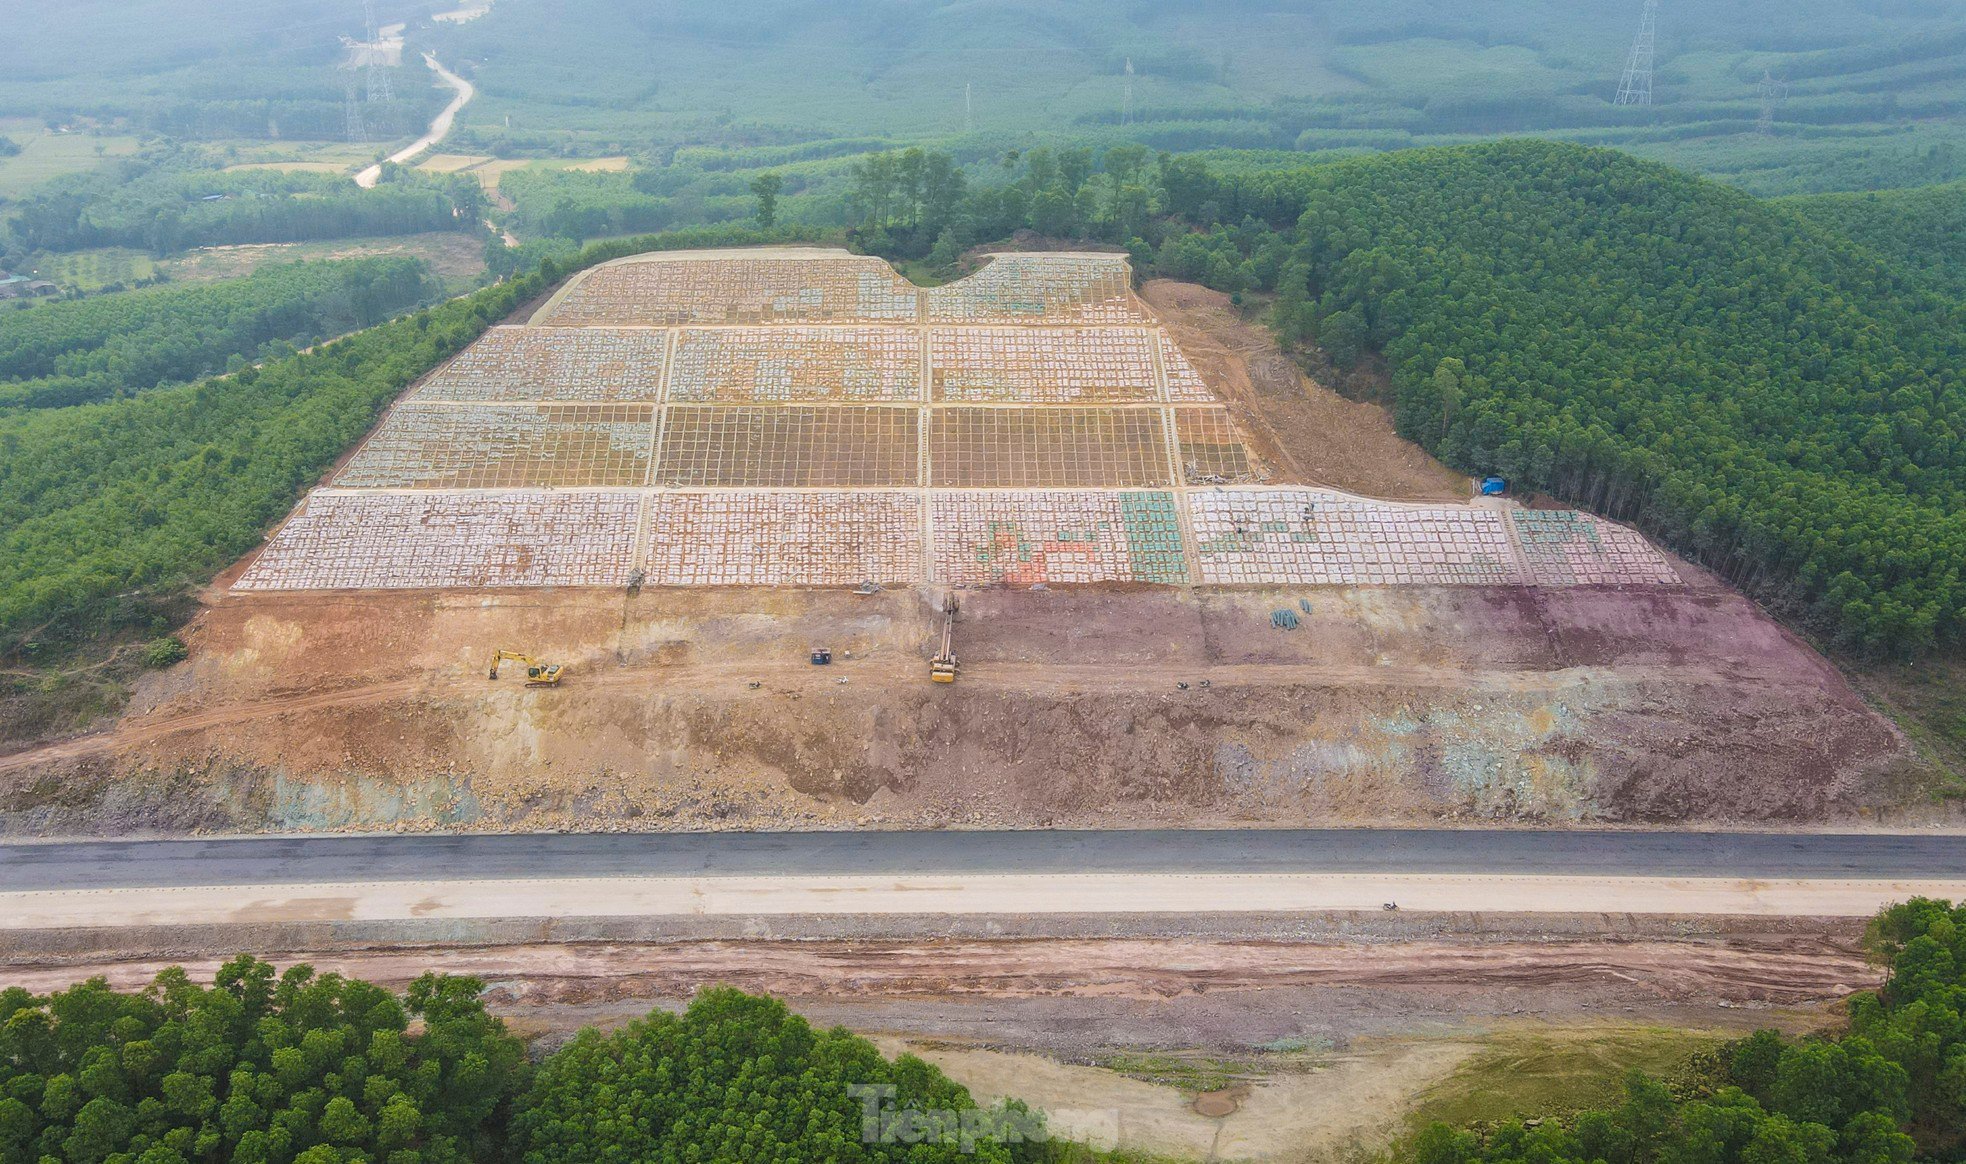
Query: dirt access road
[(440, 126)]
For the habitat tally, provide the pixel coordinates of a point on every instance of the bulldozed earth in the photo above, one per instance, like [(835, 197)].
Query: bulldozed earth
[(1086, 705), (1075, 708)]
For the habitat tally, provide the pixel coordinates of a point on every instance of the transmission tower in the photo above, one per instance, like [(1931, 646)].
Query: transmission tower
[(357, 129), (1770, 91), (1126, 112), (379, 89), (969, 110), (1636, 86)]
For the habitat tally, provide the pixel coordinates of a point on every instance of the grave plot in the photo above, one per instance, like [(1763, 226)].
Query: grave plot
[(658, 292), (790, 362), (1051, 365), (1310, 536), (373, 541), (494, 446), (789, 446), (1021, 538), (739, 538), (1037, 448), (1566, 548), (1211, 452), (574, 365), (1184, 384), (1040, 288)]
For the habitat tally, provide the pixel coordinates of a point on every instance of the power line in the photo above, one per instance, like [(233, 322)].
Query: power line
[(1636, 86)]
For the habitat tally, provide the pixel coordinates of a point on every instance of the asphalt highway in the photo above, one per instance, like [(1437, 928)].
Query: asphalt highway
[(304, 860)]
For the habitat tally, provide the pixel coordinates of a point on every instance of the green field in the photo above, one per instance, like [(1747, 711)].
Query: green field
[(91, 271), (1552, 1072), (47, 155)]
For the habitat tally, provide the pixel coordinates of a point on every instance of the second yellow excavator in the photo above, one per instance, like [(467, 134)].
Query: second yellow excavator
[(538, 674)]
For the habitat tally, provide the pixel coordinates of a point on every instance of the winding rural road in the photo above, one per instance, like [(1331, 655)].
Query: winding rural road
[(440, 126)]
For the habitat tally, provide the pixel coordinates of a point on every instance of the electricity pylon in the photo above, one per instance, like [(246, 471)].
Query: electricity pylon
[(1636, 86)]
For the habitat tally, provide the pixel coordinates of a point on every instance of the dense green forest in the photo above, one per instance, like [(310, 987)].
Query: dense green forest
[(741, 1078), (306, 1068), (109, 511), (87, 350), (167, 200), (303, 1068), (1921, 230), (256, 1069)]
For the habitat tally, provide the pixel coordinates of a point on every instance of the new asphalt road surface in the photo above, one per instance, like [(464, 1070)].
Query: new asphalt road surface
[(300, 860)]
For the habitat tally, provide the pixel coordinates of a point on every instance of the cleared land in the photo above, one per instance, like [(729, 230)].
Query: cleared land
[(674, 479)]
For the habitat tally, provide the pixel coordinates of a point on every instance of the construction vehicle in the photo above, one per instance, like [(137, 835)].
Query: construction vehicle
[(538, 674), (942, 668)]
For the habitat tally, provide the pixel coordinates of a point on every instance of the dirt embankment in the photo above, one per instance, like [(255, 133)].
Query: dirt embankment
[(698, 708), (1217, 995)]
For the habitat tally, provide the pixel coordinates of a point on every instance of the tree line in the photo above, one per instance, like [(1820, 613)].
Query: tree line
[(295, 1067), (167, 200), (264, 1067), (87, 350)]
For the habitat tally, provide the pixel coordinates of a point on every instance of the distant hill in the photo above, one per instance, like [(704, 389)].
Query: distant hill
[(1870, 90)]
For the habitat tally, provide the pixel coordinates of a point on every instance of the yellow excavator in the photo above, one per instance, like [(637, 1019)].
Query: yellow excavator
[(942, 668), (538, 674)]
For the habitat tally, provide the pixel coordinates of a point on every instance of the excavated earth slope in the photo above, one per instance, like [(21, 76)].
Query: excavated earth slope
[(1221, 628)]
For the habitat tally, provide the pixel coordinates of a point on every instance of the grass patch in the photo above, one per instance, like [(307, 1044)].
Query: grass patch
[(45, 155), (1927, 700), (1553, 1073), (1195, 1073)]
